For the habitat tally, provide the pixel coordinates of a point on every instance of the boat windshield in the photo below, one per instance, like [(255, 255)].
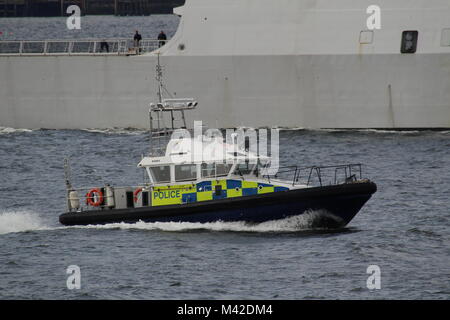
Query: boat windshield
[(244, 168), (186, 172), (210, 170), (263, 167), (161, 174)]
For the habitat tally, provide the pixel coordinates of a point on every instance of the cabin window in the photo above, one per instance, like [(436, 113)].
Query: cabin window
[(409, 41), (244, 168), (263, 167), (445, 38), (208, 170), (211, 170), (222, 169), (161, 174), (186, 172)]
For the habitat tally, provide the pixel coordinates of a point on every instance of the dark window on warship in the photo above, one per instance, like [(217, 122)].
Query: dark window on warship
[(409, 41)]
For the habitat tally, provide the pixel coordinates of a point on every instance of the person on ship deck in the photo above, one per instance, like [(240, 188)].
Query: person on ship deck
[(137, 39), (162, 39)]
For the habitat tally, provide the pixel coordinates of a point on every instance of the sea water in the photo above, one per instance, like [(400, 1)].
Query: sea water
[(403, 229)]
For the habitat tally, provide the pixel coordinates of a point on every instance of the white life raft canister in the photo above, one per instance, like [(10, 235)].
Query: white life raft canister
[(74, 200)]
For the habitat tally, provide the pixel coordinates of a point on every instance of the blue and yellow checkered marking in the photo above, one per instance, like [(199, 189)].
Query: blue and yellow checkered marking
[(206, 190)]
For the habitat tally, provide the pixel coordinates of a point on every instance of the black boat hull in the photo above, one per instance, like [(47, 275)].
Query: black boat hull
[(340, 203)]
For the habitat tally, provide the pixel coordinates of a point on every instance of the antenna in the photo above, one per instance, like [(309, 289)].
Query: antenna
[(67, 173), (159, 77), (163, 112), (67, 178)]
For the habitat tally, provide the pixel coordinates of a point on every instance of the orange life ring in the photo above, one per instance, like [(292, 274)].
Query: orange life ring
[(135, 194), (90, 197)]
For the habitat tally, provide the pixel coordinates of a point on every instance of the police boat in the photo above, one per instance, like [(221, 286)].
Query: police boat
[(194, 180)]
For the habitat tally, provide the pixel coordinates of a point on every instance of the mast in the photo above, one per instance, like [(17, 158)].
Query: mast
[(67, 178), (157, 125), (159, 77), (166, 108)]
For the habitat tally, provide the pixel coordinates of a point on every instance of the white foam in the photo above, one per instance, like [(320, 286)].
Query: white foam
[(20, 221), (7, 130), (306, 221), (389, 131), (129, 131), (381, 131)]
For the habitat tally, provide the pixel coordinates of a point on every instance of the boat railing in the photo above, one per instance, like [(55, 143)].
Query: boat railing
[(116, 46), (319, 175)]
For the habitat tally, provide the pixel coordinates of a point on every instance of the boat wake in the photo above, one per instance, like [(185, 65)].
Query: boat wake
[(312, 220), (26, 221), (20, 221)]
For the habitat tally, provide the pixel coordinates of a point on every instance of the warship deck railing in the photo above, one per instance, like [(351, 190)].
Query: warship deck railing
[(91, 47)]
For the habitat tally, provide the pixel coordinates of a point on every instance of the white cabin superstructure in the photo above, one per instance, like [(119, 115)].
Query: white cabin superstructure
[(194, 160), (288, 63)]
